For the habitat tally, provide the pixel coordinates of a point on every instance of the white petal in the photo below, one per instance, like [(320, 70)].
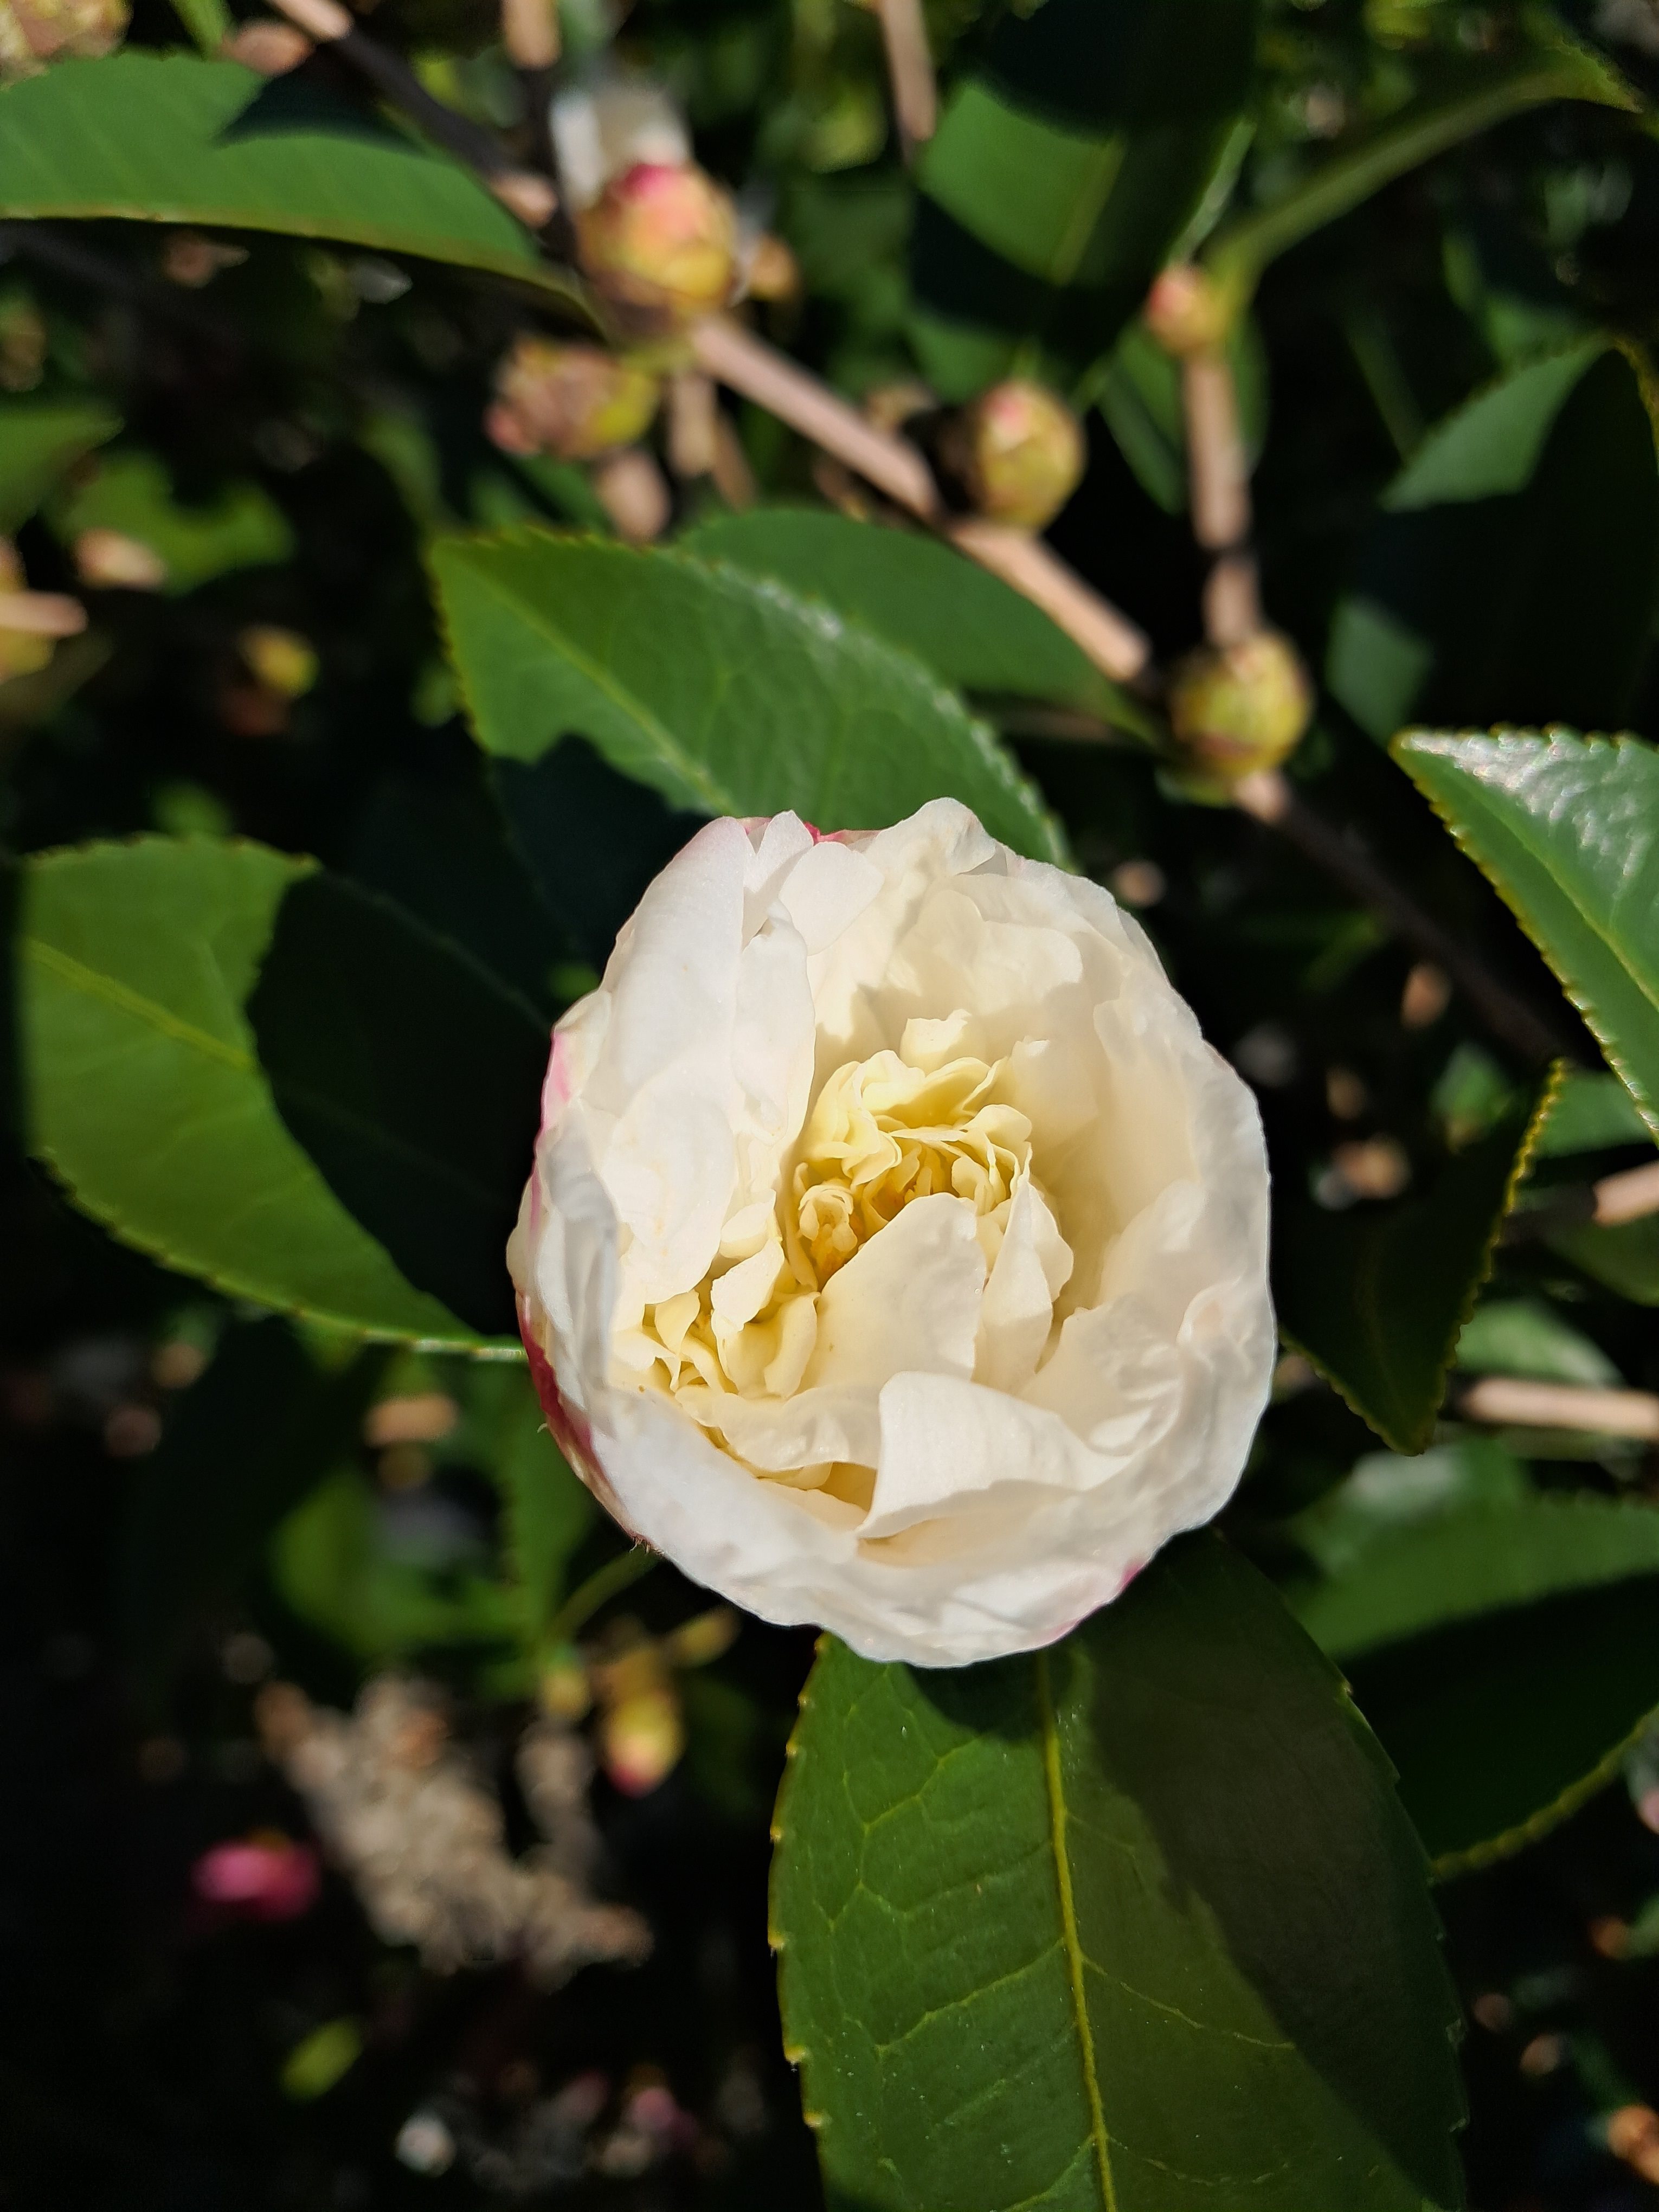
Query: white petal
[(1031, 1268)]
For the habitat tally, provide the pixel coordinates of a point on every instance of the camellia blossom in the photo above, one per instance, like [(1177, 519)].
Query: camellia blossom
[(895, 1256)]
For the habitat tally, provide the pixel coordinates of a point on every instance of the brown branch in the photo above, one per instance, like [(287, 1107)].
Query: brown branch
[(1269, 798)]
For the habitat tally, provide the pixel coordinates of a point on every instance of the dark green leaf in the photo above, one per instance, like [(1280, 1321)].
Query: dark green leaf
[(1521, 1336), (413, 1080), (1592, 1113), (1563, 827), (169, 138), (549, 1509), (144, 1091), (722, 692), (1542, 62), (40, 439), (251, 1438), (1133, 1923), (1512, 576), (1376, 1297), (1625, 1256), (1062, 173), (1138, 390), (971, 629)]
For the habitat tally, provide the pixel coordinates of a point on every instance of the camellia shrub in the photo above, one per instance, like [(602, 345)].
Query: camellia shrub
[(832, 1054)]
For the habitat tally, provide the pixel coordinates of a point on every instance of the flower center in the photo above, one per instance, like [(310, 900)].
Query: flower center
[(881, 1134)]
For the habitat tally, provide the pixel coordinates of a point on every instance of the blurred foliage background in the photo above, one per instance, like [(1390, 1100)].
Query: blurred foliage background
[(232, 447)]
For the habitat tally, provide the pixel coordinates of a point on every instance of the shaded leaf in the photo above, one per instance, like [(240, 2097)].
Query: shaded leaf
[(722, 692), (1130, 1923), (1563, 827), (144, 1091), (1592, 1113), (40, 439), (1138, 391), (1521, 1336), (412, 1078), (1625, 1256), (1376, 1297), (1063, 172), (1512, 574), (170, 138)]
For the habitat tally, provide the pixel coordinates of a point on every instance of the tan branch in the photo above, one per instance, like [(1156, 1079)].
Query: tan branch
[(1628, 1196), (910, 70), (1218, 487), (42, 614), (1507, 1401)]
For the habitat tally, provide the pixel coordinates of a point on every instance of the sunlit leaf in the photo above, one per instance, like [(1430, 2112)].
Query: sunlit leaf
[(40, 439), (1129, 1923), (241, 527)]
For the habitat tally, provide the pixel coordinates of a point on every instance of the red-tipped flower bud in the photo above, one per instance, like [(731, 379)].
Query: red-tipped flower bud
[(1237, 708), (1185, 311), (1019, 452), (662, 239), (576, 401)]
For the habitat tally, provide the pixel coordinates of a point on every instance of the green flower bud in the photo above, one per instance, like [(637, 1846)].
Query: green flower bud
[(662, 241), (1186, 311), (1019, 450), (576, 401), (1236, 709)]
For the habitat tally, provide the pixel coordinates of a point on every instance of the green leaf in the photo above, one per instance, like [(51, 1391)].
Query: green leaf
[(1623, 1257), (1592, 1113), (1543, 63), (1512, 573), (144, 1089), (412, 1078), (170, 138), (242, 528), (40, 439), (1520, 1336), (1563, 827), (1138, 391), (1376, 1297), (1504, 1645), (549, 1509), (722, 692), (1062, 172), (1135, 1923), (385, 1577), (265, 1410), (971, 629)]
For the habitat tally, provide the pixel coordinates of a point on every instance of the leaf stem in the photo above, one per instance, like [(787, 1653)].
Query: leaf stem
[(606, 1582)]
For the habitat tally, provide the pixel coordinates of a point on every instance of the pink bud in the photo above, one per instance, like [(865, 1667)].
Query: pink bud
[(1185, 311), (1237, 708), (1019, 452), (661, 239), (265, 1876)]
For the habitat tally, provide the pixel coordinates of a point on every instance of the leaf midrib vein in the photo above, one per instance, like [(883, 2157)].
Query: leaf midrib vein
[(1071, 1943), (96, 984)]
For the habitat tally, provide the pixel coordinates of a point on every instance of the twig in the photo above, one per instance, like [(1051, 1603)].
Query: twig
[(1268, 798), (1507, 1401), (746, 364), (42, 614), (1218, 480), (909, 71), (691, 413), (1630, 1195), (522, 191), (530, 36)]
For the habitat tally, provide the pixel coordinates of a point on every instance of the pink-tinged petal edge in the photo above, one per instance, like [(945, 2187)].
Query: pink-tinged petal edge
[(569, 1430)]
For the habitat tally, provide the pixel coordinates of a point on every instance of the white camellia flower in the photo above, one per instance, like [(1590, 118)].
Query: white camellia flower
[(896, 1253)]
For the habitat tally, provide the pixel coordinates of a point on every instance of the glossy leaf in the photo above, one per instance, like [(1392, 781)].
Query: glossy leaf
[(1062, 172), (1563, 827), (170, 138), (1376, 1297), (40, 439), (144, 1091), (1539, 61), (1591, 1113), (1521, 1336), (1132, 1923), (971, 629), (1512, 572), (722, 692), (242, 527)]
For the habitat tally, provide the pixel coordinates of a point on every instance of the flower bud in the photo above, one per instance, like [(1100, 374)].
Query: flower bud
[(111, 560), (574, 401), (1185, 310), (35, 32), (662, 239), (1019, 452), (772, 273), (285, 662), (1237, 708), (641, 1739)]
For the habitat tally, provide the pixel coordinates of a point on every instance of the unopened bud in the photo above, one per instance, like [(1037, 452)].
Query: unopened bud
[(1239, 709), (269, 47), (773, 272), (641, 1738), (663, 240), (1186, 311), (285, 663), (1019, 452), (574, 401), (35, 32)]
